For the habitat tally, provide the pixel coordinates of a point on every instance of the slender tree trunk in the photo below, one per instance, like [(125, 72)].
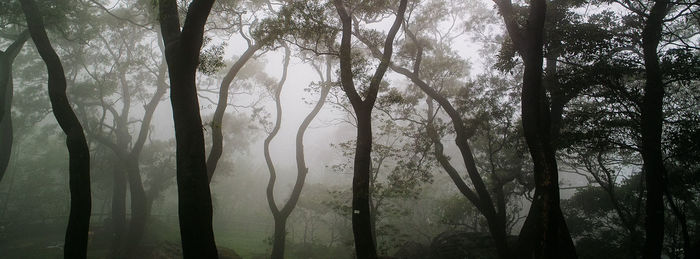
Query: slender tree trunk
[(182, 54), (217, 136), (496, 221), (651, 126), (280, 217), (79, 154), (140, 205)]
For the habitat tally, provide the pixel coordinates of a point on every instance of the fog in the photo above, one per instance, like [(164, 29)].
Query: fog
[(349, 129)]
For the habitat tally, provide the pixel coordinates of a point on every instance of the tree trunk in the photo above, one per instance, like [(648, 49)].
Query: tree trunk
[(6, 93), (651, 127), (6, 134), (279, 237), (182, 54), (361, 220), (118, 211), (280, 217), (79, 154), (496, 220), (544, 233), (139, 210), (361, 223), (217, 136)]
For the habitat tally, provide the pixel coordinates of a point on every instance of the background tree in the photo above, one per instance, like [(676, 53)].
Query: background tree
[(124, 45), (282, 214), (255, 43)]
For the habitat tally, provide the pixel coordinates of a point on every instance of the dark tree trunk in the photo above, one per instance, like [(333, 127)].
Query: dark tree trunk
[(182, 54), (79, 154), (651, 126), (118, 211), (544, 233), (361, 222), (279, 238), (361, 218), (6, 93), (6, 134)]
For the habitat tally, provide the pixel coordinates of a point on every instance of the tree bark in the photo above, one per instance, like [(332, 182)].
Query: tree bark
[(182, 49), (6, 93), (79, 154), (651, 127)]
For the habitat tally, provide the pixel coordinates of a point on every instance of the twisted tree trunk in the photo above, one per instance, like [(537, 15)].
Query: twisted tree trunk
[(79, 154), (217, 136)]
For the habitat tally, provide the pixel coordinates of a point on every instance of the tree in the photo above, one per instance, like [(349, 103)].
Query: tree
[(362, 229), (616, 82), (182, 48), (79, 154), (437, 80), (118, 136), (401, 164), (217, 137), (651, 124), (282, 214), (544, 233)]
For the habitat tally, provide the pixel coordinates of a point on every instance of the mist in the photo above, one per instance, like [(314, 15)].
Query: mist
[(349, 129)]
